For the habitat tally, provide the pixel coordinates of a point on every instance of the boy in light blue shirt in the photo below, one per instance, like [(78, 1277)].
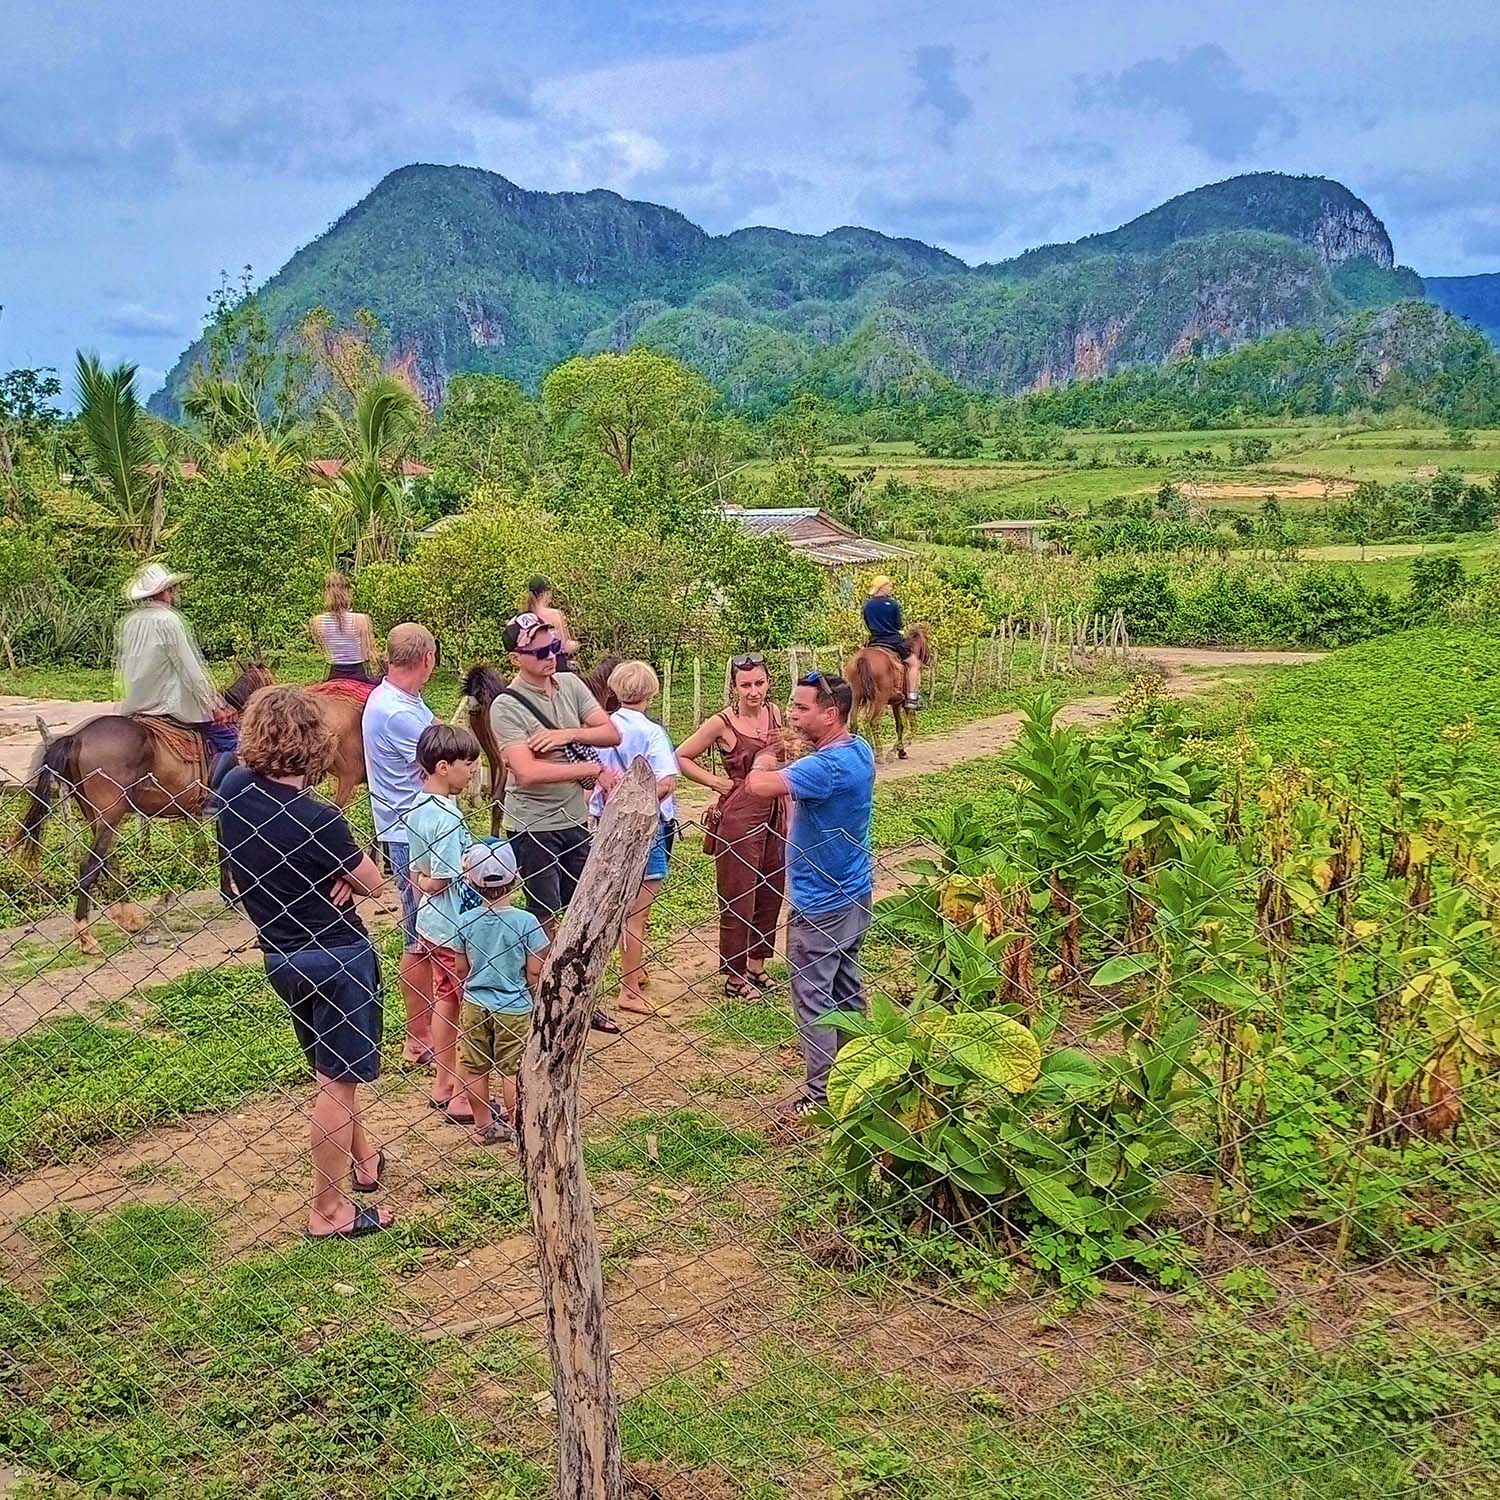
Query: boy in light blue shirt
[(505, 948), (436, 839)]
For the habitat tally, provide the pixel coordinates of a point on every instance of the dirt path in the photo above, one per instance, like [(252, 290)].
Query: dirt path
[(20, 738)]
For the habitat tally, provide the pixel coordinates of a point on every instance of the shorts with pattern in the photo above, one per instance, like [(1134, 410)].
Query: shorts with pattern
[(493, 1040)]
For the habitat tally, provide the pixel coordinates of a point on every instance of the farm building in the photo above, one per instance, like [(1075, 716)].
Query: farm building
[(1021, 536), (816, 534)]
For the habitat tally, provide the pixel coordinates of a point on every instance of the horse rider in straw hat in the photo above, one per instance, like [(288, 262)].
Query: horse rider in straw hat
[(163, 670), (883, 620)]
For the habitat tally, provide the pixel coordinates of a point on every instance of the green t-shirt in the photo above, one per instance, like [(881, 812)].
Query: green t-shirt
[(558, 804), (438, 837), (497, 940)]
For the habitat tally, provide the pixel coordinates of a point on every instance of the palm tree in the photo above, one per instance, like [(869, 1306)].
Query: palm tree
[(369, 491), (122, 467), (227, 419)]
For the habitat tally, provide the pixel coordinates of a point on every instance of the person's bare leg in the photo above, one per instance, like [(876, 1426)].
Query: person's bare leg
[(331, 1132), (362, 1150), (633, 952), (510, 1098), (477, 1089), (446, 1083), (416, 995)]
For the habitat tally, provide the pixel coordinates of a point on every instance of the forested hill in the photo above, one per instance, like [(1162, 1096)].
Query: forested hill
[(1476, 298), (471, 273)]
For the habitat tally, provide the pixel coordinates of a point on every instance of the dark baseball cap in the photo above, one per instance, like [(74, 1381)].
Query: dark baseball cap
[(524, 625)]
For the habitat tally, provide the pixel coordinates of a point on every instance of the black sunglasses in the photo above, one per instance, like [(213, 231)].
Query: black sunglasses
[(552, 648), (743, 663)]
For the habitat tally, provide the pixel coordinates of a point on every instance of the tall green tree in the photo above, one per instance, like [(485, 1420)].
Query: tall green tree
[(124, 466), (370, 495)]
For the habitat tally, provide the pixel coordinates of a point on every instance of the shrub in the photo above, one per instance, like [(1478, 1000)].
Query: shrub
[(245, 539), (1143, 595)]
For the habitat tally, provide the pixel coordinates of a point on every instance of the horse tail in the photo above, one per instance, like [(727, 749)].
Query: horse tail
[(866, 691), (58, 768)]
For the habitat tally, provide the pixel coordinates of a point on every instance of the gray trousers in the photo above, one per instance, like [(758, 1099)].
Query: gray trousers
[(823, 953)]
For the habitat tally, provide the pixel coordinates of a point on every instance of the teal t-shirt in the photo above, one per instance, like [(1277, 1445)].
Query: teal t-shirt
[(437, 837), (497, 940)]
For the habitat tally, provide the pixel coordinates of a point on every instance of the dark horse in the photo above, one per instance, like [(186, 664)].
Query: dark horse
[(481, 686), (113, 766), (878, 677)]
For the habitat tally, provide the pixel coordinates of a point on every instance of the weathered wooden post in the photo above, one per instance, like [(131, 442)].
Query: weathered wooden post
[(697, 691), (562, 1217), (666, 694)]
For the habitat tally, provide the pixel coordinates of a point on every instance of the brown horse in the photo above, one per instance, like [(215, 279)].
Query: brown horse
[(113, 767), (482, 685), (878, 677)]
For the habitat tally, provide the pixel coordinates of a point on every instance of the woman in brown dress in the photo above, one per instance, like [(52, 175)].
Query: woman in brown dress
[(750, 857)]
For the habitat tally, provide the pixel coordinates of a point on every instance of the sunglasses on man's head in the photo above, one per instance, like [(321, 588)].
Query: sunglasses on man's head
[(819, 684)]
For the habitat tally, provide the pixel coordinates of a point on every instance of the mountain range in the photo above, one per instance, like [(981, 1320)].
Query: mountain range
[(470, 272)]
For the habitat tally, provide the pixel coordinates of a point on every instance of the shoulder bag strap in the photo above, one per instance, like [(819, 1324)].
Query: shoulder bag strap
[(528, 705)]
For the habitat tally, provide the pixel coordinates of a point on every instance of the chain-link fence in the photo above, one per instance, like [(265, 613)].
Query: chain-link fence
[(1158, 1157)]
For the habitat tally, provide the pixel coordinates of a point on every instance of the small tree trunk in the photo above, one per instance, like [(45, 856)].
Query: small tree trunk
[(567, 1248)]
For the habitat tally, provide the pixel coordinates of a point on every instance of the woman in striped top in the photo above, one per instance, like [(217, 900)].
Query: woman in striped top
[(346, 638)]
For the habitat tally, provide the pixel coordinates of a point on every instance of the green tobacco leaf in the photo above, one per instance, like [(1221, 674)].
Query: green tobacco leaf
[(1070, 1069), (990, 1045), (1054, 1198), (863, 1064), (1122, 967), (1226, 990), (1102, 1163)]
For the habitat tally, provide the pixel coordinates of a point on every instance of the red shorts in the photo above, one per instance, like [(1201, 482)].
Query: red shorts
[(446, 969)]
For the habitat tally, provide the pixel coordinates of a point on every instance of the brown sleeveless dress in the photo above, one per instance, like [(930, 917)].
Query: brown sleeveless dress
[(751, 862)]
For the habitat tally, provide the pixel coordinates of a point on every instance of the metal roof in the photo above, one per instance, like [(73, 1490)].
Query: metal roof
[(815, 534)]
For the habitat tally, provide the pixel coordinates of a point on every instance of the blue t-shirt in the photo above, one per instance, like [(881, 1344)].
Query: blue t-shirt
[(497, 941), (436, 839), (883, 618), (829, 864)]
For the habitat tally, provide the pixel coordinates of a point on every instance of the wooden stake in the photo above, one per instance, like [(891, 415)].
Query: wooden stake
[(697, 691), (666, 694), (562, 1216)]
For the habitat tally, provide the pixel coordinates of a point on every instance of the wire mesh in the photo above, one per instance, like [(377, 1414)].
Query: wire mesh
[(1161, 1161)]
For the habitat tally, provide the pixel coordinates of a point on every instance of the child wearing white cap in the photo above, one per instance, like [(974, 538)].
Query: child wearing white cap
[(505, 947)]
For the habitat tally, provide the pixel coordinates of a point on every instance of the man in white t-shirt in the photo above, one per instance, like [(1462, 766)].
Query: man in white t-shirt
[(394, 719)]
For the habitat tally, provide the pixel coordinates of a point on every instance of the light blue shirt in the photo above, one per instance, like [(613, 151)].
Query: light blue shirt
[(393, 723), (829, 863), (437, 837), (497, 941)]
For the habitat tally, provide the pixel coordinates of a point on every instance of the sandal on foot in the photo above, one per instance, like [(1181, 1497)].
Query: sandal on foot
[(369, 1187), (740, 989), (366, 1221), (805, 1107), (494, 1135), (602, 1022), (762, 981)]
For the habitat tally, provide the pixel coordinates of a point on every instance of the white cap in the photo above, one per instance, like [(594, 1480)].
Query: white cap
[(489, 865)]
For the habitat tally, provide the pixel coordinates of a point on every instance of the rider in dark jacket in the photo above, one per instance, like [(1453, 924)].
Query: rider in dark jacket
[(883, 620)]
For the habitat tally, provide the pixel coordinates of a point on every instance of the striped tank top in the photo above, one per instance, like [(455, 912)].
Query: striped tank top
[(343, 643)]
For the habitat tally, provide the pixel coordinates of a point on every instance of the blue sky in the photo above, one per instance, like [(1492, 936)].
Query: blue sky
[(144, 147)]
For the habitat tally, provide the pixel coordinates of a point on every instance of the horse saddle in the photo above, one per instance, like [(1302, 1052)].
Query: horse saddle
[(889, 649), (178, 741)]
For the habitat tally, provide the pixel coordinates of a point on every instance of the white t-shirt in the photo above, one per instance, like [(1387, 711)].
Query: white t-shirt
[(393, 723), (638, 736)]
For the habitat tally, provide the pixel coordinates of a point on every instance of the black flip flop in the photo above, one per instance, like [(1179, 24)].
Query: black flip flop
[(369, 1187), (602, 1022), (366, 1221)]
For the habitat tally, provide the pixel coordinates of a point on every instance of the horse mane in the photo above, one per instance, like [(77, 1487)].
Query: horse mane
[(481, 684), (597, 682), (253, 676), (917, 638)]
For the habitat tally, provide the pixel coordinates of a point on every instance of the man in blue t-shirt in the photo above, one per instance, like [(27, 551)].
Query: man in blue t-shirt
[(829, 866)]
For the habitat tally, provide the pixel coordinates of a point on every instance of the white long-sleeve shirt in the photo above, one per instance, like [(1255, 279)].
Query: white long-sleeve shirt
[(161, 667)]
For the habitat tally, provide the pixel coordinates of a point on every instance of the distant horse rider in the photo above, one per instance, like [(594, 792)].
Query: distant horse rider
[(539, 602), (883, 620), (164, 672)]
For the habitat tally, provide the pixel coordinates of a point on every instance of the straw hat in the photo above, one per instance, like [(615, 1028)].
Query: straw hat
[(151, 581), (882, 582)]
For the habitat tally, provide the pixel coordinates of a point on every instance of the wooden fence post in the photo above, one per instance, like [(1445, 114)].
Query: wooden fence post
[(666, 694), (697, 691), (562, 1216)]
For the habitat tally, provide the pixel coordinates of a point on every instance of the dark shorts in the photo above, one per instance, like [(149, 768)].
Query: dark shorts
[(350, 671), (398, 856), (334, 998), (550, 865), (899, 645)]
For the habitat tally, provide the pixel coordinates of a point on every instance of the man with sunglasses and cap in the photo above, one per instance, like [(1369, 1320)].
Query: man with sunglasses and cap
[(545, 723), (830, 866)]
